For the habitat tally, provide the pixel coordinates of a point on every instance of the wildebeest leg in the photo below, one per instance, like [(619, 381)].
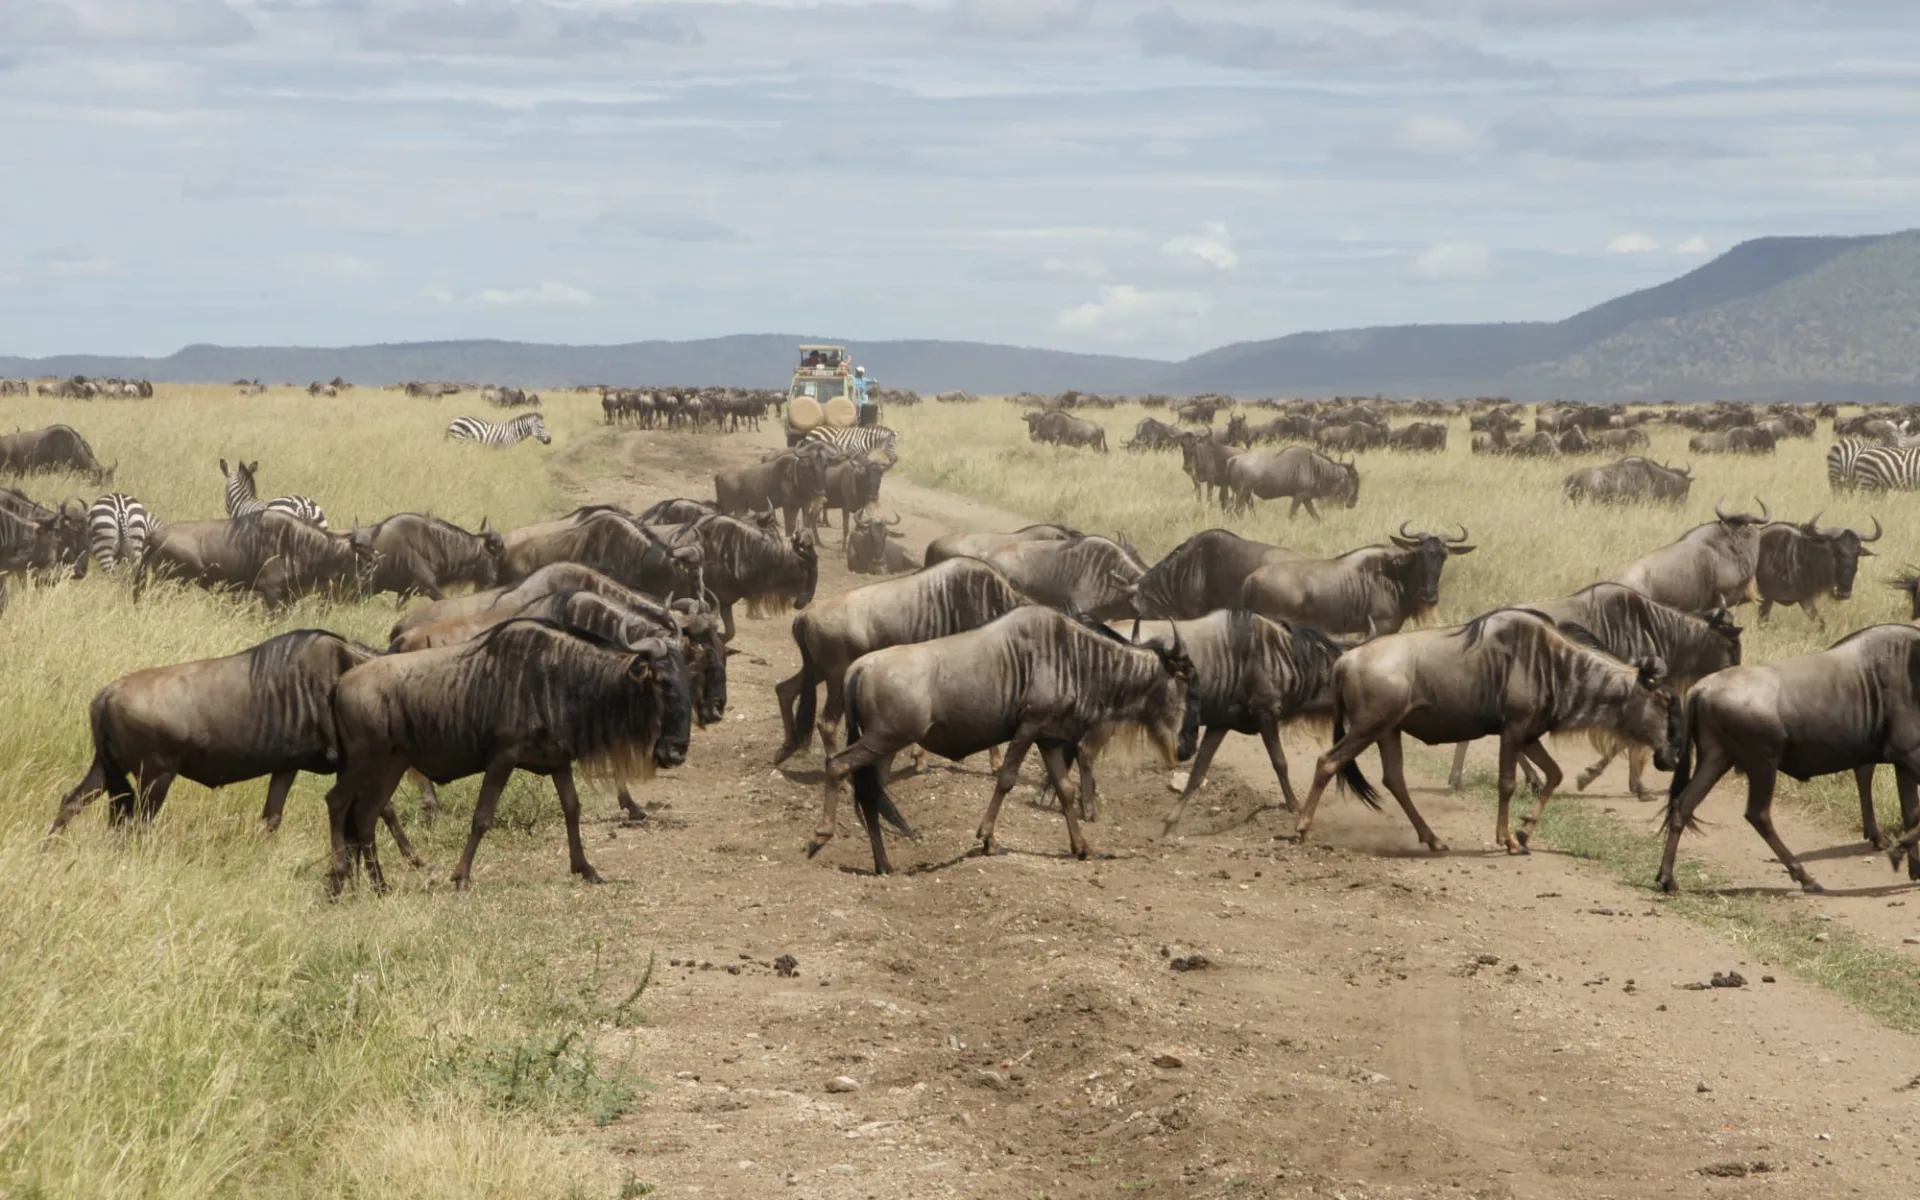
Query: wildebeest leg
[(1050, 758), (839, 768), (1538, 753), (1197, 774), (153, 793), (277, 789), (1089, 799), (1712, 765), (1293, 509), (570, 809), (1003, 782), (429, 796), (1459, 766), (786, 694), (1277, 755), (1766, 608), (726, 614), (491, 785), (1311, 510), (1906, 781), (1869, 820), (88, 789), (1330, 764), (1393, 771), (632, 811), (391, 819), (1813, 614), (1585, 779), (1502, 833), (1760, 816)]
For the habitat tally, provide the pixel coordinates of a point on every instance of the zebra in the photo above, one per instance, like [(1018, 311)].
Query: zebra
[(490, 433), (243, 499), (855, 439), (117, 529), (1888, 469), (1843, 463)]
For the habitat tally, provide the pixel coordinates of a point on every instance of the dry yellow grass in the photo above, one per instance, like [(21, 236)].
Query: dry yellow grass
[(181, 1012)]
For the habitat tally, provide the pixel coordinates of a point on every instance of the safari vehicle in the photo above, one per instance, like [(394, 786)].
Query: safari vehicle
[(821, 392)]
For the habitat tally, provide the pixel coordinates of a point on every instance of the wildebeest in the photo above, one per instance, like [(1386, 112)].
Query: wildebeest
[(1358, 435), (1092, 575), (1064, 429), (1252, 676), (979, 545), (1150, 434), (267, 710), (1294, 473), (1032, 677), (612, 543), (1845, 708), (1711, 566), (1631, 480), (1510, 673), (853, 483), (511, 597), (790, 481), (1204, 574), (1732, 441), (55, 448), (1421, 435), (26, 543), (1800, 563), (68, 524), (1205, 461), (277, 556), (1619, 439), (525, 696), (414, 552), (946, 598), (1372, 590), (678, 511), (873, 547), (1631, 627), (769, 572)]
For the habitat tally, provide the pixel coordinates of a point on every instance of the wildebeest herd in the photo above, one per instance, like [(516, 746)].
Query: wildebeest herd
[(596, 642)]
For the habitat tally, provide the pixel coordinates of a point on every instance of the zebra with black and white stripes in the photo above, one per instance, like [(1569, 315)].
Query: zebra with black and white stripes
[(117, 529), (1888, 469), (496, 433), (857, 439), (1843, 463), (243, 498)]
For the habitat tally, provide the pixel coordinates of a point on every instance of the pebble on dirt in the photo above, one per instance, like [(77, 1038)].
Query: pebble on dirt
[(1191, 962), (786, 966), (843, 1083), (1168, 1061)]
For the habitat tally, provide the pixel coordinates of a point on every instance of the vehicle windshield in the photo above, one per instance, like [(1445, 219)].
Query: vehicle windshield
[(822, 390)]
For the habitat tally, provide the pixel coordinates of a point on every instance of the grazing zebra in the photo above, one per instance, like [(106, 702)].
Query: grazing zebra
[(490, 433), (243, 499), (857, 438), (1888, 469), (1843, 463), (117, 528)]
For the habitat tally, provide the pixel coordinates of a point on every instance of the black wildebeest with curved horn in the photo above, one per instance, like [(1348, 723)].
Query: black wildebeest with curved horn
[(526, 696), (874, 549), (1631, 627), (1032, 677), (1797, 564), (1372, 590), (415, 552), (1711, 566), (1510, 673), (1252, 676), (1845, 708), (218, 721)]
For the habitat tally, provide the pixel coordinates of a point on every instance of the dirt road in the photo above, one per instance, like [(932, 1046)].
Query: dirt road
[(1372, 1021)]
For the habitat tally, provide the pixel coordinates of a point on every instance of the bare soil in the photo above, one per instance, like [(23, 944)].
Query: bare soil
[(1371, 1021)]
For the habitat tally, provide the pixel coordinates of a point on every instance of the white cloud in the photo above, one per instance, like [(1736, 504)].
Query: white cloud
[(1632, 243), (1440, 137), (1124, 313), (1693, 245), (1213, 245), (438, 294), (1451, 262), (549, 293)]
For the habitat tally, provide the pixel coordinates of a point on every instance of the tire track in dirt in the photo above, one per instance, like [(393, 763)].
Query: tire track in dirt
[(1003, 1018)]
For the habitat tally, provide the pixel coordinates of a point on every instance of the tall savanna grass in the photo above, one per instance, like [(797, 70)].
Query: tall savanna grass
[(182, 1013), (1530, 542)]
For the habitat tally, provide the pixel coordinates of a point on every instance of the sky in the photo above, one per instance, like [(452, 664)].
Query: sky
[(1140, 177)]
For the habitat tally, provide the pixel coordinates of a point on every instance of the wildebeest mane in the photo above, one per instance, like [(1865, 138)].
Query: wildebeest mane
[(1476, 629), (739, 556), (292, 684)]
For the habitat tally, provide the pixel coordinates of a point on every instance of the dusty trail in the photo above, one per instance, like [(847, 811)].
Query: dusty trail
[(1375, 1022)]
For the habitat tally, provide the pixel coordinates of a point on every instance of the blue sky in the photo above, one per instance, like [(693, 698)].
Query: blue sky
[(1146, 177)]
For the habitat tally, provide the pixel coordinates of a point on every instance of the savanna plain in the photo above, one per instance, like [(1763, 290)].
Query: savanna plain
[(183, 1012)]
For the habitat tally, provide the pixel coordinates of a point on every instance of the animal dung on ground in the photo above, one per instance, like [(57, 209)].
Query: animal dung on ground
[(1191, 962), (786, 966)]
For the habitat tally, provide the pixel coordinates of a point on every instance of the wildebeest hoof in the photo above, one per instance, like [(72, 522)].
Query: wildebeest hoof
[(1666, 883), (459, 883), (1437, 846), (1585, 780), (591, 876), (1878, 841), (815, 846), (1811, 887)]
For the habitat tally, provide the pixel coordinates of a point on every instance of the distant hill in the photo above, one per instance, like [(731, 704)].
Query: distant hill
[(1830, 318), (747, 360)]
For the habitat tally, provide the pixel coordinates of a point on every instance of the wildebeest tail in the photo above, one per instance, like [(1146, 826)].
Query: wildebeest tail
[(869, 789), (1350, 775), (1683, 769)]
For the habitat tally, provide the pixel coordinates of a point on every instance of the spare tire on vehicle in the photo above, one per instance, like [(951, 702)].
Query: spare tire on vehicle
[(803, 413), (841, 413)]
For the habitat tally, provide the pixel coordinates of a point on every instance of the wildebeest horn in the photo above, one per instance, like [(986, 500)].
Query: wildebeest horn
[(896, 517), (1717, 511), (1877, 531), (486, 524), (1813, 522), (1409, 536), (1458, 540), (1764, 514)]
